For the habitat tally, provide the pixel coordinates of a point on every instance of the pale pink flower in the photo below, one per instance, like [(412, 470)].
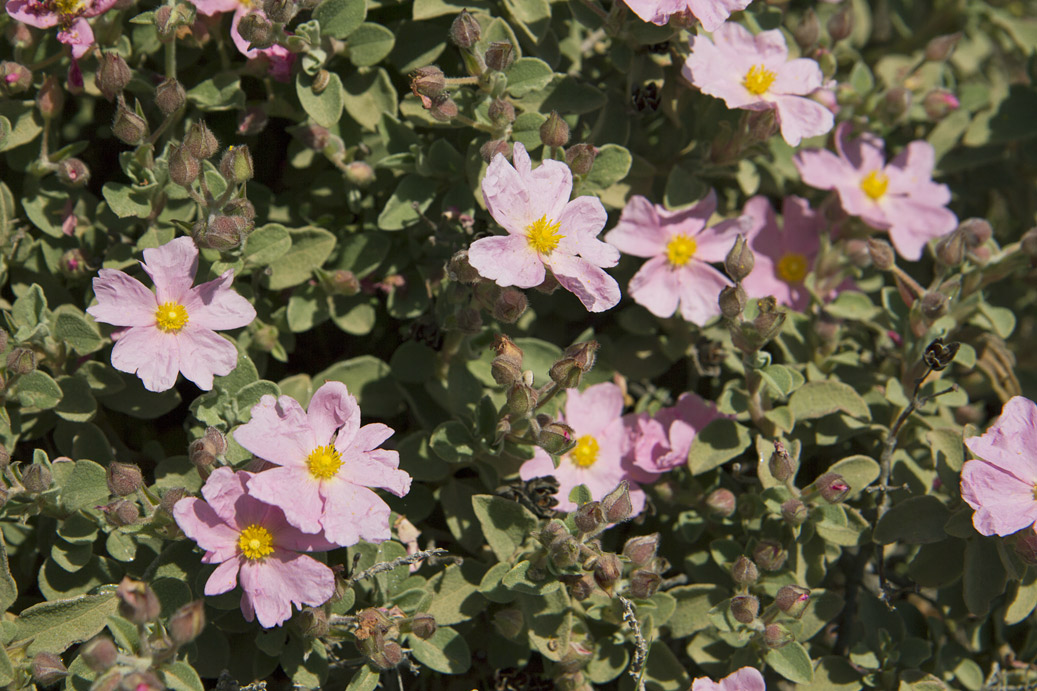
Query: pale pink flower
[(240, 8), (1001, 482), (661, 442), (545, 231), (602, 443), (173, 329), (744, 679), (783, 257), (70, 15), (711, 13), (279, 61), (327, 463), (755, 73), (680, 247), (900, 196), (254, 544)]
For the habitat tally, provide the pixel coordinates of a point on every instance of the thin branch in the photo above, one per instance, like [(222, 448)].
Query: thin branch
[(637, 668), (383, 566)]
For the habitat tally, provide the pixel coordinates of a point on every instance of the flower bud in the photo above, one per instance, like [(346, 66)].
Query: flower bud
[(644, 583), (940, 48), (36, 478), (184, 168), (460, 269), (1026, 548), (840, 25), (506, 351), (555, 131), (564, 552), (124, 479), (794, 512), (896, 103), (607, 571), (99, 654), (777, 636), (565, 373), (170, 498), (933, 305), (236, 165), (744, 608), (359, 173), (255, 28), (808, 30), (761, 125), (522, 399), (939, 103), (341, 282), (443, 108), (137, 601), (280, 11), (121, 513), (551, 532), (740, 260), (423, 626), (220, 233), (129, 127), (732, 301), (580, 158), (555, 437), (501, 111), (490, 149), (641, 549), (187, 623), (509, 622), (73, 172), (792, 600), (14, 78), (170, 97), (142, 681), (721, 502), (50, 99), (975, 231), (48, 669), (253, 121), (1028, 243), (832, 487), (950, 250), (744, 571), (882, 255), (465, 32), (113, 74), (388, 656), (781, 465), (769, 555), (510, 305), (617, 504), (500, 55), (427, 82), (200, 141), (590, 517), (580, 587), (21, 361)]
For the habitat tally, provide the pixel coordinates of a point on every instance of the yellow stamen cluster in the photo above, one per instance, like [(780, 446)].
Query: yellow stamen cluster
[(171, 317), (680, 249), (544, 235), (792, 268), (585, 453), (758, 79), (874, 184), (255, 542), (323, 462), (68, 7)]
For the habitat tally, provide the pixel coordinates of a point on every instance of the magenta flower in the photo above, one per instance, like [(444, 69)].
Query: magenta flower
[(680, 247), (545, 231), (254, 544), (598, 459), (783, 257), (1001, 482), (240, 8), (744, 679), (711, 13), (70, 15), (173, 329), (327, 463), (900, 196), (661, 441), (755, 73)]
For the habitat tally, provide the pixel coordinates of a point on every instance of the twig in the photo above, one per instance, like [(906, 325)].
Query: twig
[(637, 668), (383, 566)]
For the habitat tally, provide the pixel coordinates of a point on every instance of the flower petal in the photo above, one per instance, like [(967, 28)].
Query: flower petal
[(203, 354), (354, 513), (224, 578), (122, 300), (801, 118), (201, 523), (295, 492), (282, 579), (152, 355), (333, 409), (594, 409), (656, 288), (279, 432), (213, 305), (172, 267), (700, 286), (595, 289), (507, 260)]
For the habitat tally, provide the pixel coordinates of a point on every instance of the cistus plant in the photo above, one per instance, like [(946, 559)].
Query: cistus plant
[(633, 345)]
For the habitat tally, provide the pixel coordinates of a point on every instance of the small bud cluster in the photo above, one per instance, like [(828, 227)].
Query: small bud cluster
[(377, 631)]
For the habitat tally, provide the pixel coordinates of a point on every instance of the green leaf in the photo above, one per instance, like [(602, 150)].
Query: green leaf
[(505, 523), (399, 211), (452, 442), (819, 398), (446, 651), (580, 495), (610, 166), (23, 120), (984, 577), (222, 92), (693, 604), (792, 662), (87, 486), (1023, 601), (663, 671), (310, 248), (365, 679), (914, 521), (74, 328), (326, 107), (77, 403), (54, 626), (340, 18), (8, 588), (38, 390), (368, 96), (266, 244), (369, 44), (29, 309), (370, 380), (455, 594), (125, 201), (526, 129), (181, 676), (528, 74), (852, 304), (938, 564), (717, 443)]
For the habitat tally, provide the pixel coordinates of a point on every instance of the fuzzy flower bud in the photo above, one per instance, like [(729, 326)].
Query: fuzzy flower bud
[(255, 28), (73, 172), (840, 25), (359, 173), (792, 600), (933, 305), (50, 99), (423, 626), (184, 168), (170, 96), (200, 141), (501, 111), (740, 260), (113, 74), (744, 571), (236, 165), (832, 487), (732, 301), (124, 479), (129, 127), (555, 131), (896, 103), (48, 669), (644, 583), (137, 601), (641, 549), (744, 608), (808, 30), (939, 103), (99, 654), (281, 11), (14, 78), (769, 555), (617, 504), (341, 282), (781, 465), (510, 305), (170, 498), (580, 587), (121, 513), (777, 636), (564, 552), (583, 354), (555, 437), (590, 517), (443, 108), (36, 478), (580, 158), (882, 255), (522, 399), (794, 512), (465, 32), (950, 250), (187, 623), (460, 269), (490, 149), (21, 361), (427, 81), (975, 231), (500, 55), (940, 48), (721, 502), (607, 571)]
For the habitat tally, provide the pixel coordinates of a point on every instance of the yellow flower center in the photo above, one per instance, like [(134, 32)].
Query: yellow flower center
[(874, 184), (255, 542), (758, 79), (585, 453), (792, 268), (544, 235), (680, 249), (68, 7), (171, 317), (323, 462)]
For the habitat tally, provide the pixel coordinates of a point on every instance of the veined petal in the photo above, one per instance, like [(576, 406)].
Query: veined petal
[(279, 432), (172, 267), (281, 580), (152, 355), (332, 408), (507, 260), (213, 305), (122, 300), (203, 354)]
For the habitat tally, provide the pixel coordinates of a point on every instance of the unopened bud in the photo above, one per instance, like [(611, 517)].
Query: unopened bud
[(551, 532), (252, 121), (770, 555), (522, 399), (939, 103), (781, 465), (137, 601), (950, 250), (644, 583), (73, 172), (427, 81), (99, 654), (777, 636), (744, 608), (832, 487), (507, 350), (564, 552), (565, 373), (501, 111), (187, 623), (113, 74), (744, 571), (443, 108), (36, 478), (14, 78), (583, 354), (896, 103), (761, 125), (500, 55), (617, 504), (509, 622), (281, 11), (792, 600), (933, 305), (461, 270), (184, 168), (580, 158), (641, 549), (492, 148), (390, 655), (124, 478), (510, 305), (129, 127), (882, 255), (940, 48), (50, 99), (170, 498), (48, 669), (740, 260), (341, 282), (121, 513), (236, 165), (794, 512), (732, 301), (555, 131), (721, 502), (840, 25), (465, 32), (200, 141), (423, 626), (590, 517), (580, 587), (170, 96), (1028, 243), (607, 571), (359, 173), (255, 28), (975, 231), (215, 441), (808, 30), (555, 437), (21, 361), (1026, 548)]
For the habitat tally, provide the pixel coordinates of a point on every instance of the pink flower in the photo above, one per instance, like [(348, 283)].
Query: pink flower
[(253, 544), (1001, 483), (900, 196), (173, 329), (755, 73), (783, 257), (545, 231), (279, 62), (327, 463), (240, 8), (70, 15), (744, 679), (680, 247), (602, 441), (661, 442), (711, 13)]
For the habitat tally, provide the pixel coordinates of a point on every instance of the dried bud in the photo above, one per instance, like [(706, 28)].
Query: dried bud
[(505, 373), (1028, 243), (187, 623), (73, 173), (509, 622), (840, 25), (808, 30), (938, 355), (48, 669), (121, 513), (617, 504), (200, 141), (555, 437), (99, 654), (607, 571), (744, 608), (501, 111), (770, 555), (933, 305), (359, 173), (641, 549), (443, 108), (170, 96), (50, 99), (507, 351), (170, 498), (281, 11), (14, 78), (465, 32), (460, 269), (882, 255), (427, 82), (36, 478), (1026, 548), (137, 601), (590, 517), (744, 571), (113, 74), (721, 502), (940, 48), (975, 231), (564, 552), (510, 305), (777, 635), (939, 103), (500, 55), (255, 28), (236, 165), (21, 361), (580, 587), (124, 479), (644, 584), (200, 456), (832, 487), (580, 158), (794, 512), (950, 250), (732, 301), (129, 127), (555, 131), (792, 600)]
